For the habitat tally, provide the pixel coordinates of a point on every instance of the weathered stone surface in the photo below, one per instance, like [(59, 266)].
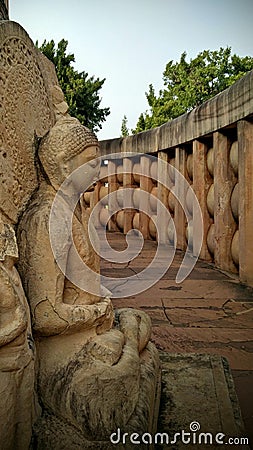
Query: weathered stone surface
[(17, 402), (224, 182), (25, 115), (4, 14), (188, 381), (245, 174)]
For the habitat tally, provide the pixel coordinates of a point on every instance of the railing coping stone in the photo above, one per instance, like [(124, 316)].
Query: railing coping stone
[(221, 111)]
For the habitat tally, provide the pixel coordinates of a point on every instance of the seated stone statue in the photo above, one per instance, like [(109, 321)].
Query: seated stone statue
[(93, 376), (16, 351)]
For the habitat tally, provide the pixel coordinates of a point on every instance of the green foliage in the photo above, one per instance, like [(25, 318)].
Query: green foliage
[(189, 84), (80, 90), (124, 129)]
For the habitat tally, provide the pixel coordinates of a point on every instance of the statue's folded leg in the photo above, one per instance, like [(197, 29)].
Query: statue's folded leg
[(110, 384)]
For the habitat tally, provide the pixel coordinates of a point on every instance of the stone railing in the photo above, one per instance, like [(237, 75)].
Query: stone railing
[(212, 147)]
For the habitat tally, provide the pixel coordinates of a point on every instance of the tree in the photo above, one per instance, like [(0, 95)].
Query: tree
[(80, 90), (124, 129), (188, 84)]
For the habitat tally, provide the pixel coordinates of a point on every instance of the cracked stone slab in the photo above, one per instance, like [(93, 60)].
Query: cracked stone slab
[(182, 340), (117, 272), (193, 317), (207, 289), (166, 289), (196, 274), (232, 307), (193, 303), (236, 322), (137, 302), (156, 315), (207, 335), (198, 388)]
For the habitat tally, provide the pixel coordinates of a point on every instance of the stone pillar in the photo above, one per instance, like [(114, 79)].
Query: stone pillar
[(112, 187), (128, 182), (145, 185), (245, 151), (164, 180), (201, 183), (224, 181), (179, 218)]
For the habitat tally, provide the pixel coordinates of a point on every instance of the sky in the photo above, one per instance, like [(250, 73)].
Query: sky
[(130, 42)]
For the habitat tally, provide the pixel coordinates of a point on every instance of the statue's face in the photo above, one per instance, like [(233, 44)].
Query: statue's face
[(88, 175)]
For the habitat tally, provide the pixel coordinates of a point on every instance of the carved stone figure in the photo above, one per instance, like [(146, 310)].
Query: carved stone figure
[(26, 111), (93, 377), (16, 351)]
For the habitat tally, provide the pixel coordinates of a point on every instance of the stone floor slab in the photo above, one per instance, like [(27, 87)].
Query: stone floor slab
[(207, 335), (183, 303), (191, 317), (196, 397)]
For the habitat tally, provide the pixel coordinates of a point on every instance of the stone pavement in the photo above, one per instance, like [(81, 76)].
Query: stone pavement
[(210, 312)]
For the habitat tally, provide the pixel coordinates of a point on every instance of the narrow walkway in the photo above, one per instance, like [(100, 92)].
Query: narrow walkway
[(208, 313)]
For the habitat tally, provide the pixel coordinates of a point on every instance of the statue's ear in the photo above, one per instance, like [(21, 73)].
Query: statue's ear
[(57, 171), (62, 166)]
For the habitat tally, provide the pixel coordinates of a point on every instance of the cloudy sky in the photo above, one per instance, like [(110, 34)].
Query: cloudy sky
[(130, 42)]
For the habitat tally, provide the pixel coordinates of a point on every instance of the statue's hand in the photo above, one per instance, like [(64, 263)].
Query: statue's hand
[(136, 326), (64, 318), (92, 314)]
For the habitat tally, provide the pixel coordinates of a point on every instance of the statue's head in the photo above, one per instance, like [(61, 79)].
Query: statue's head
[(8, 243), (67, 146)]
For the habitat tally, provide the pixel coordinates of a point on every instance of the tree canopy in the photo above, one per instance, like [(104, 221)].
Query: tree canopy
[(124, 128), (80, 90), (188, 84)]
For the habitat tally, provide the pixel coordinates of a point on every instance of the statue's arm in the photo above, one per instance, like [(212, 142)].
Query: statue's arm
[(12, 328), (64, 318), (13, 320)]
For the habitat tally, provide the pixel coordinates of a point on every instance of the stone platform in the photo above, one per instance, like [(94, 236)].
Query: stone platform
[(198, 396), (209, 313)]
